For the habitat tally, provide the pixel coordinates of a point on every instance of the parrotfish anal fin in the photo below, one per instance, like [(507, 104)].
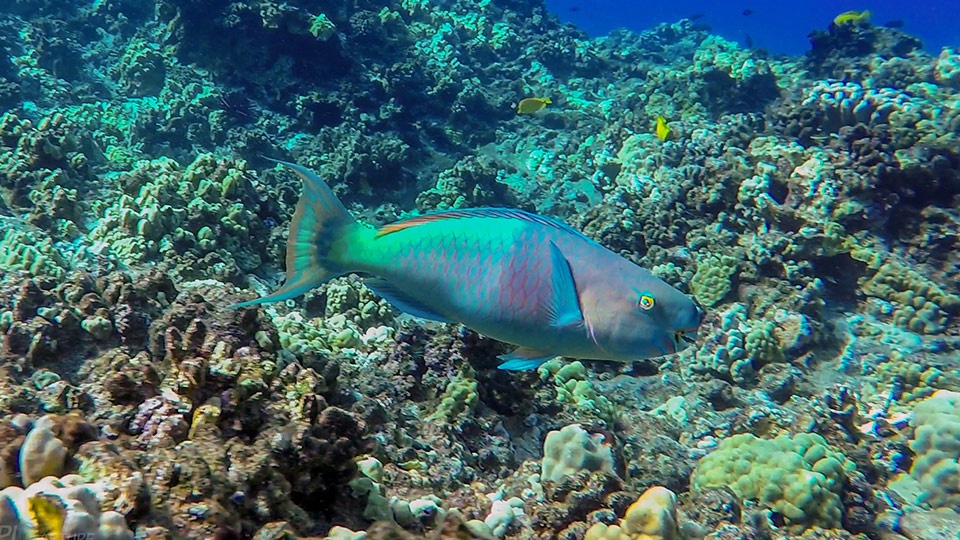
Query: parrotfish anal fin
[(523, 359), (318, 219), (504, 213), (564, 307), (403, 301)]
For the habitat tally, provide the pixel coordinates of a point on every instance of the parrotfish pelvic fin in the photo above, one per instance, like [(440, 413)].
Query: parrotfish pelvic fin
[(319, 219), (403, 301), (523, 359), (564, 311)]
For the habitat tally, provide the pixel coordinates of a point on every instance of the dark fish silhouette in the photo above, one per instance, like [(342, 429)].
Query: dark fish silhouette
[(697, 16), (575, 8), (748, 40), (896, 23), (747, 12)]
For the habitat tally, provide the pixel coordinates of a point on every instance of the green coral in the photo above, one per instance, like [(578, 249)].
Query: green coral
[(349, 297), (712, 280), (739, 348), (947, 70), (916, 381), (98, 326), (337, 333), (367, 485), (299, 335), (932, 480), (142, 69), (31, 254), (799, 477), (919, 304), (761, 344), (322, 27), (196, 213), (575, 389), (459, 397), (143, 127)]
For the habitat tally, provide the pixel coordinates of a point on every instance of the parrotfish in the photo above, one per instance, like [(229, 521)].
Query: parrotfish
[(514, 276)]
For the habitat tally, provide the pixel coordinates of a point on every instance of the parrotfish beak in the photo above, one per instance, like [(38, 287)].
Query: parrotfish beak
[(687, 335)]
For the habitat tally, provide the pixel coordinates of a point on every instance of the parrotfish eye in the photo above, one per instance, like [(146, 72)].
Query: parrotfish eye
[(646, 302)]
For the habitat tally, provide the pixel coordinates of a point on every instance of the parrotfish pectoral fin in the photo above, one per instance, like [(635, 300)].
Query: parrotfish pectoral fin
[(564, 310), (403, 301), (318, 220), (523, 359)]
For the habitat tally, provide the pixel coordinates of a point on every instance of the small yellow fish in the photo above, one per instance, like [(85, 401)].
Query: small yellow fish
[(47, 513), (531, 105), (852, 17), (663, 130)]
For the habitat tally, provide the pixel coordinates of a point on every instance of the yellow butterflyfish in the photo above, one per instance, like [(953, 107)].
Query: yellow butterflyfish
[(662, 129), (531, 105), (852, 17)]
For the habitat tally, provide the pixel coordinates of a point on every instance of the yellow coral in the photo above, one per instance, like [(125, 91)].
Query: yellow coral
[(652, 517)]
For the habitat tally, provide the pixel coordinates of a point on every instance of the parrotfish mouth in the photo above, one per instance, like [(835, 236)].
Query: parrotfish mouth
[(688, 336), (683, 339)]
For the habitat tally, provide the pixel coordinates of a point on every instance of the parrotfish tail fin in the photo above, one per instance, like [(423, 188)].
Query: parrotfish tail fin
[(319, 220), (523, 359)]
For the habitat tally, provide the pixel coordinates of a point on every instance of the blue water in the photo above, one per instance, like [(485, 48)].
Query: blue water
[(779, 27)]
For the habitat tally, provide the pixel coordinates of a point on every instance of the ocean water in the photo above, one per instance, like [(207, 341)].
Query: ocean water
[(779, 27), (402, 269)]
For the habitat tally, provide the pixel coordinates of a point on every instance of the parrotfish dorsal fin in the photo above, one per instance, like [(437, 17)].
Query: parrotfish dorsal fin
[(564, 309), (503, 213)]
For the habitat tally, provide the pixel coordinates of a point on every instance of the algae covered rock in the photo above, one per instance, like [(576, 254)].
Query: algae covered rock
[(41, 455), (652, 517), (571, 450)]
